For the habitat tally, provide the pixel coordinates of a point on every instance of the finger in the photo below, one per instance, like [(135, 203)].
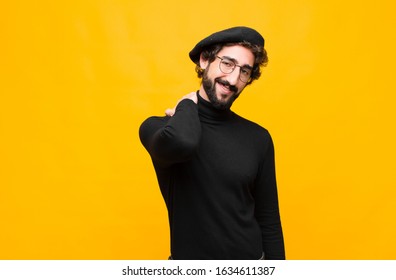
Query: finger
[(169, 112)]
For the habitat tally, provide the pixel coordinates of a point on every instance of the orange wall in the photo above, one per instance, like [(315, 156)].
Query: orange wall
[(78, 77)]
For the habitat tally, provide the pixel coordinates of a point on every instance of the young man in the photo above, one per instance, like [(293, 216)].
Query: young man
[(215, 169)]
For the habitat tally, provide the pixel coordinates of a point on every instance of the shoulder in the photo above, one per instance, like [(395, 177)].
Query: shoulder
[(252, 128), (255, 134)]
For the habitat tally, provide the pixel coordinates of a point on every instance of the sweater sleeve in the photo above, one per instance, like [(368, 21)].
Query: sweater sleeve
[(173, 139), (267, 207)]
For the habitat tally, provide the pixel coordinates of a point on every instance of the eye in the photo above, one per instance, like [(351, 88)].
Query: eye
[(227, 63), (246, 71)]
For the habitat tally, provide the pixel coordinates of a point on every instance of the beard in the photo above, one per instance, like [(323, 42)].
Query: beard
[(210, 89)]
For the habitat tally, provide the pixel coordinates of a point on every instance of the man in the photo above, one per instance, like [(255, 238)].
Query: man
[(216, 169)]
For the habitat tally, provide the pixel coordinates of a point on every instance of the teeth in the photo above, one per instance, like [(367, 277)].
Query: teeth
[(223, 85)]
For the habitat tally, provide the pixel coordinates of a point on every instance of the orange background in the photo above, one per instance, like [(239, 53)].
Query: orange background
[(78, 77)]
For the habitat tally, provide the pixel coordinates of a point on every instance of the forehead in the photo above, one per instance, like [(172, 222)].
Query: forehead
[(242, 55)]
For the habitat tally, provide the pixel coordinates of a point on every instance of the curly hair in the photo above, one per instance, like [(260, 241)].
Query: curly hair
[(260, 55)]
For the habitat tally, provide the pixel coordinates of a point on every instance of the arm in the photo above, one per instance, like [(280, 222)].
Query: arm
[(267, 207), (173, 139)]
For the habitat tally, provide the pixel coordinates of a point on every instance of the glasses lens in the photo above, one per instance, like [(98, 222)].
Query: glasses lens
[(226, 66), (245, 74)]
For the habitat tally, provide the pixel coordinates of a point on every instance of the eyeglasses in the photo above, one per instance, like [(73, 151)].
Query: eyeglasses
[(227, 66)]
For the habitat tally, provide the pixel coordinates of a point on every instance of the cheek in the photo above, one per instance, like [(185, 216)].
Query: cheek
[(241, 87), (214, 71)]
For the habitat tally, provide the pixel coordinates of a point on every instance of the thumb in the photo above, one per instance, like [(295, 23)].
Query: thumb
[(169, 112)]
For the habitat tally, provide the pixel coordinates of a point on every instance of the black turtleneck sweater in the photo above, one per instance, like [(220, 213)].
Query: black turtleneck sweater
[(216, 173)]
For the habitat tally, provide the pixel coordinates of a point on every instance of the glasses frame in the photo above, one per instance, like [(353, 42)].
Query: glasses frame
[(233, 68)]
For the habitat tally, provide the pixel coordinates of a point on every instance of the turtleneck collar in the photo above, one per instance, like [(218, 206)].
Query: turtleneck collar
[(208, 111)]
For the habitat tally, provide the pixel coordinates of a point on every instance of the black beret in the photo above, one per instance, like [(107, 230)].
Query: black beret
[(231, 35)]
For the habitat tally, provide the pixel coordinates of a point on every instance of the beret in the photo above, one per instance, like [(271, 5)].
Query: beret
[(230, 35)]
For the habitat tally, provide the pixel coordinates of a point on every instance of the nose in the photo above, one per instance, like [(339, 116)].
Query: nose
[(233, 77)]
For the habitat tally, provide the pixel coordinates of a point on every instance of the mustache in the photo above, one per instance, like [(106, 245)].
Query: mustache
[(227, 84)]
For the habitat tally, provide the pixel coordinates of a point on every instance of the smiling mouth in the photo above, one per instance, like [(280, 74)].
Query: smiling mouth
[(226, 87)]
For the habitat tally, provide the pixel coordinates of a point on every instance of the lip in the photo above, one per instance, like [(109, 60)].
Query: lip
[(224, 89)]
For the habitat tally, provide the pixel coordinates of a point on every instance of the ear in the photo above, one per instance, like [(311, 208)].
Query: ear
[(203, 63)]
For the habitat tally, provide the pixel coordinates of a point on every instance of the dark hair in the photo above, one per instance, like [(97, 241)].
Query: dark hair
[(260, 55)]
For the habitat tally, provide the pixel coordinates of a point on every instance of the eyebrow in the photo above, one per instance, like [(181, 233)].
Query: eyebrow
[(236, 62)]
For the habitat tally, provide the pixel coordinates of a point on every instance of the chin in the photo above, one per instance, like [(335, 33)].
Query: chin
[(223, 98)]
